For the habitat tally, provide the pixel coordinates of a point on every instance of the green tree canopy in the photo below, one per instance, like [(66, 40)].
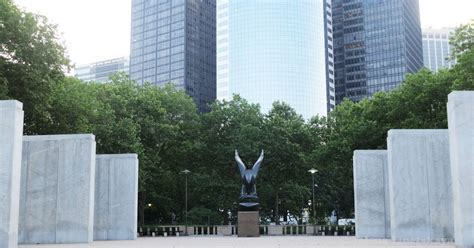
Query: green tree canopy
[(463, 40), (463, 53), (32, 61)]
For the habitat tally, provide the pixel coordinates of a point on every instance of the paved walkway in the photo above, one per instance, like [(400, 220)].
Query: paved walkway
[(234, 242)]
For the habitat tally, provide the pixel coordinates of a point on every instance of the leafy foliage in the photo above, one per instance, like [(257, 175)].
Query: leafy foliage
[(462, 40), (32, 61)]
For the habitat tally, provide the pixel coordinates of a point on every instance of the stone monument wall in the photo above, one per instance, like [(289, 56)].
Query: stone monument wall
[(372, 208), (116, 197), (461, 138), (57, 189), (11, 135), (421, 202)]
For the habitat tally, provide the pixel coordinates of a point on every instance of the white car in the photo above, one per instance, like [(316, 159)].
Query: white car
[(346, 222)]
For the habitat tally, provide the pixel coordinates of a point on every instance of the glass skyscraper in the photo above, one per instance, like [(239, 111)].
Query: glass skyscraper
[(436, 48), (175, 41), (276, 50), (376, 43)]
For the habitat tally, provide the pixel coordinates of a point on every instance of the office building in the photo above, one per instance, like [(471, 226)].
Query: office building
[(436, 48), (376, 43), (102, 70), (280, 50), (174, 41)]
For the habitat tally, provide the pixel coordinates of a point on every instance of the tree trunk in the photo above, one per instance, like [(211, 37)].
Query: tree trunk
[(276, 213), (141, 208)]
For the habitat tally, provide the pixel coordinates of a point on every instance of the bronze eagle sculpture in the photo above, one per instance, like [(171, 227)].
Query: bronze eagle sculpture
[(249, 176)]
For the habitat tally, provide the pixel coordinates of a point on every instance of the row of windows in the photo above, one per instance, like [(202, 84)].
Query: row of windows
[(348, 7), (140, 13), (136, 61), (355, 61), (436, 36), (356, 77), (356, 84), (163, 76), (161, 44), (162, 41)]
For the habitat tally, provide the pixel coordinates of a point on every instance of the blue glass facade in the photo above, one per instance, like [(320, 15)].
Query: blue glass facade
[(376, 43), (175, 41), (276, 50)]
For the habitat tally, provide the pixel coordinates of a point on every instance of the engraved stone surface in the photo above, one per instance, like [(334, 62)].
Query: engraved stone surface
[(421, 199), (116, 197), (57, 189), (11, 135), (248, 224), (372, 205), (461, 139)]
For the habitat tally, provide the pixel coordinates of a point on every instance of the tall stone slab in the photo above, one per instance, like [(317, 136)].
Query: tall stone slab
[(116, 197), (57, 189), (11, 134), (371, 194), (421, 199), (461, 138)]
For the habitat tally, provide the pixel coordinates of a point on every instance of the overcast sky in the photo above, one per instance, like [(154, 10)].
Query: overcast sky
[(96, 30)]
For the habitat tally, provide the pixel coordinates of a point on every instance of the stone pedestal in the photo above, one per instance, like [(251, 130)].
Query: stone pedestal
[(372, 204), (421, 202), (461, 139), (116, 197), (248, 224), (57, 189), (11, 134)]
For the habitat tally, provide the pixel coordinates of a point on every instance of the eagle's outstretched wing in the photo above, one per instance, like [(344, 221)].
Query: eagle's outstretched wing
[(256, 166), (240, 164)]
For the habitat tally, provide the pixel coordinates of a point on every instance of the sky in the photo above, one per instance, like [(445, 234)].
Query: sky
[(95, 30)]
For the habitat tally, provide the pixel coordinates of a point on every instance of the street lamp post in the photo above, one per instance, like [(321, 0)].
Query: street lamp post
[(186, 172), (312, 171)]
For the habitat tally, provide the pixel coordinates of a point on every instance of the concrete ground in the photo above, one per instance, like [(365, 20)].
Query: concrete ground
[(234, 242)]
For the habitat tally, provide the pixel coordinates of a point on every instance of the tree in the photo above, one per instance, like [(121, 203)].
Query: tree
[(73, 107), (285, 141), (419, 103), (463, 52), (463, 40), (169, 131), (32, 61), (161, 125), (230, 125)]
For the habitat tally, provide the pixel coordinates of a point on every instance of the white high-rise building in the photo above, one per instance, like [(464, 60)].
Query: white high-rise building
[(276, 50), (436, 48), (102, 70)]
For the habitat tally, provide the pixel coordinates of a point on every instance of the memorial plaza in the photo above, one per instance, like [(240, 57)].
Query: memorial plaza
[(234, 242), (416, 193)]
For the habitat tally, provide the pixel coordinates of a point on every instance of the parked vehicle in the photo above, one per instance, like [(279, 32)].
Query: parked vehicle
[(346, 222)]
